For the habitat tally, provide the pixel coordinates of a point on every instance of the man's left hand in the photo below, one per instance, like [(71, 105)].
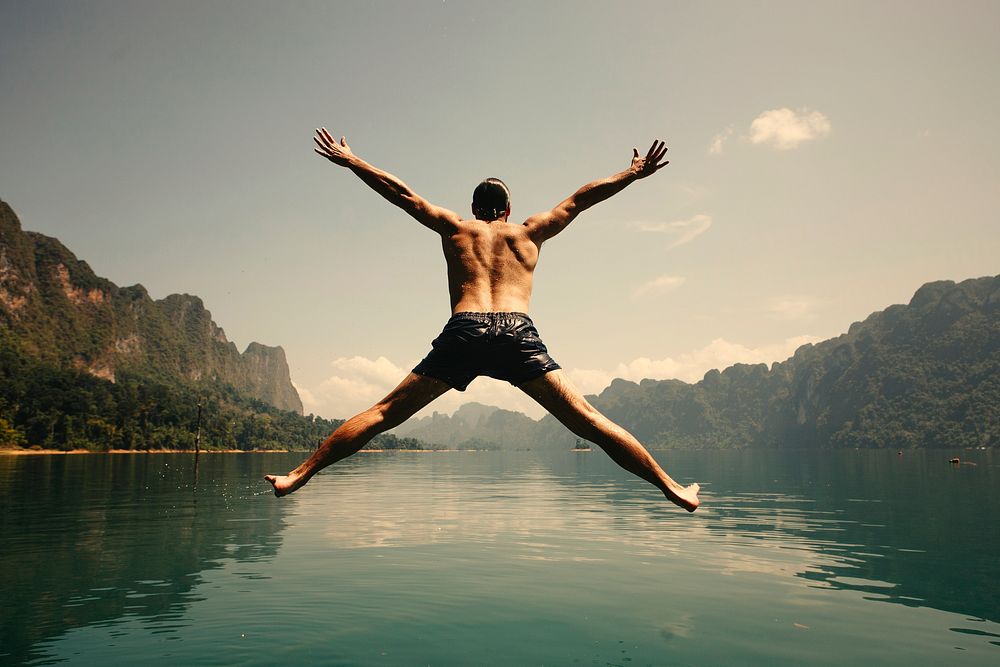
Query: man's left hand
[(646, 166)]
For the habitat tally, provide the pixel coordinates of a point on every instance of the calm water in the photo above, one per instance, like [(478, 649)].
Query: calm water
[(519, 558)]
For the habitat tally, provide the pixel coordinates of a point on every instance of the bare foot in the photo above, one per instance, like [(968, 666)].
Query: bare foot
[(285, 484), (686, 497)]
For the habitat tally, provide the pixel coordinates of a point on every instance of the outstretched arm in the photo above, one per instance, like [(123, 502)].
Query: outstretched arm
[(396, 191), (545, 225)]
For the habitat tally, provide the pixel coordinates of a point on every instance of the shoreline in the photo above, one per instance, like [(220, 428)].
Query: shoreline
[(32, 452), (50, 452)]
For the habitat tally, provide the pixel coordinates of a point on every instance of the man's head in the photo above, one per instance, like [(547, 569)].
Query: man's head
[(491, 200)]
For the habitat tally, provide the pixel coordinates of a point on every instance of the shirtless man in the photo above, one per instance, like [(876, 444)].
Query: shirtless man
[(490, 269)]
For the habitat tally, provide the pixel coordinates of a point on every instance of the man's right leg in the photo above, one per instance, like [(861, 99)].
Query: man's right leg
[(555, 393), (412, 394)]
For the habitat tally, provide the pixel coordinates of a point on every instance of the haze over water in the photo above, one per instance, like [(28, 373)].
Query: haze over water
[(534, 558)]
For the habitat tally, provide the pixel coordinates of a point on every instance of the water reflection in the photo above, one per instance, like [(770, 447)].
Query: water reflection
[(909, 530), (905, 529), (91, 539), (434, 558)]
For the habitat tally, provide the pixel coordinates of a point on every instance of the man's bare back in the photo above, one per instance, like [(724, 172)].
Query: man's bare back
[(490, 268)]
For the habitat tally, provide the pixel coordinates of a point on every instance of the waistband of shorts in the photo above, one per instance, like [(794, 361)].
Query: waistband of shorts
[(492, 316)]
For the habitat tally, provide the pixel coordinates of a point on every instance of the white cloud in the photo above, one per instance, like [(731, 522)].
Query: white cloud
[(359, 382), (355, 384), (683, 231), (659, 285), (784, 129), (309, 402), (691, 366), (792, 308), (715, 148)]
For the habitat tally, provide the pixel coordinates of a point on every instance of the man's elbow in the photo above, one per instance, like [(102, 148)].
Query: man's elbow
[(568, 210), (413, 204)]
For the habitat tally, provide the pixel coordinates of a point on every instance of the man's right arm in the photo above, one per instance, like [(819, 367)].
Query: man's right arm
[(391, 188), (545, 225)]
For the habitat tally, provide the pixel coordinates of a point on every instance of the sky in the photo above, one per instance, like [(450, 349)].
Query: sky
[(826, 159)]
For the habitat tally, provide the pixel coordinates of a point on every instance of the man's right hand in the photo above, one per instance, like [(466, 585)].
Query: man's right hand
[(329, 148), (646, 166)]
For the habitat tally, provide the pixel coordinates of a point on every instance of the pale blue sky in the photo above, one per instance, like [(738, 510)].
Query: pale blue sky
[(168, 143)]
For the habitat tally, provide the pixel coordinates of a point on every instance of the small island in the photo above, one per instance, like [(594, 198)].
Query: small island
[(581, 446)]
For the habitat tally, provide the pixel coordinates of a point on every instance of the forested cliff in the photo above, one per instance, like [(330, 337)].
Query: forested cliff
[(58, 310)]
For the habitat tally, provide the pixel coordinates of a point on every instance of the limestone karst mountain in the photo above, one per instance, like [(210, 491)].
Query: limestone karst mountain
[(58, 310)]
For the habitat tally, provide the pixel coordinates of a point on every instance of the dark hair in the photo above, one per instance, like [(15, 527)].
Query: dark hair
[(490, 199)]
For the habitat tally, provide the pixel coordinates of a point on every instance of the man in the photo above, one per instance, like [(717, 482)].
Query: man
[(490, 268)]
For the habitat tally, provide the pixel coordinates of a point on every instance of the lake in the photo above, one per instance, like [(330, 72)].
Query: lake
[(501, 558)]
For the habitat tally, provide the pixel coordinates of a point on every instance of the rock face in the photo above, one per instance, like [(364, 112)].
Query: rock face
[(266, 377), (55, 308)]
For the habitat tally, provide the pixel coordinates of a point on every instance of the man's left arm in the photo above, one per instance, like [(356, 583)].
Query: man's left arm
[(391, 188), (543, 226)]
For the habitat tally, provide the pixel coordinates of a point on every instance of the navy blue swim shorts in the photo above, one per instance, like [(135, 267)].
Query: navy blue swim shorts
[(505, 346)]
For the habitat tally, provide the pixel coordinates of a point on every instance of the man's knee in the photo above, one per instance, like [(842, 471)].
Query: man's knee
[(581, 408), (581, 418), (365, 424)]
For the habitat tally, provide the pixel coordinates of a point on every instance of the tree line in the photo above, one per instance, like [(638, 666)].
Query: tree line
[(46, 406)]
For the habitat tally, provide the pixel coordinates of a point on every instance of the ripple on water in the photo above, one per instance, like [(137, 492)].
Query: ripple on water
[(493, 559)]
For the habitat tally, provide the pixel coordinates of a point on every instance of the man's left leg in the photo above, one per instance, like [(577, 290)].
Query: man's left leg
[(554, 392), (412, 394)]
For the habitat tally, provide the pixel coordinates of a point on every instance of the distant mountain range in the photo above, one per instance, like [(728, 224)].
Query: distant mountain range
[(474, 426), (924, 374)]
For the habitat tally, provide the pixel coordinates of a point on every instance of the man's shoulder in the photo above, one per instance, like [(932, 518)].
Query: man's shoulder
[(506, 226)]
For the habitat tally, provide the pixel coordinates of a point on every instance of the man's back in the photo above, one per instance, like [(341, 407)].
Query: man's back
[(490, 265)]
